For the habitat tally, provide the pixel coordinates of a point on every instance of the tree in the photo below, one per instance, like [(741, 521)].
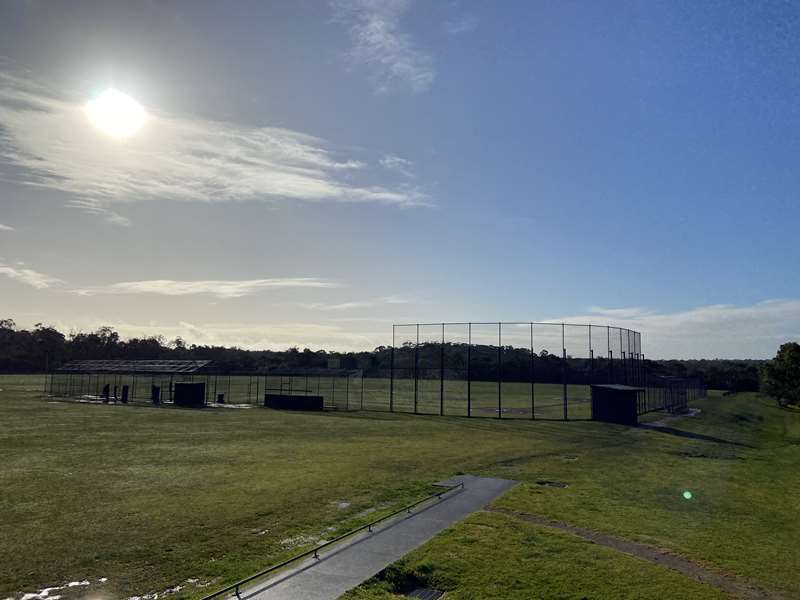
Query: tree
[(781, 376)]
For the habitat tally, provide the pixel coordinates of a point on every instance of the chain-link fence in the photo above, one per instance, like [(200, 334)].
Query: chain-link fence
[(340, 389), (515, 370)]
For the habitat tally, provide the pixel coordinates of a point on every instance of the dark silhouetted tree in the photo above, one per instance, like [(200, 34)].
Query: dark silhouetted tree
[(781, 376)]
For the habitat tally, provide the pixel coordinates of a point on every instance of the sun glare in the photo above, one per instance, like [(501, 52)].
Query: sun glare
[(116, 114)]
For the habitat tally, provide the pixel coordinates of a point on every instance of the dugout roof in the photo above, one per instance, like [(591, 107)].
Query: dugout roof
[(167, 367)]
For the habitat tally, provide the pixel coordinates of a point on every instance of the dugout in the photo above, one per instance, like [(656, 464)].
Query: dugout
[(614, 403), (190, 394), (151, 381)]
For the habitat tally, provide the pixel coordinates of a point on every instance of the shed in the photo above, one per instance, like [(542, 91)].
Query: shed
[(614, 403)]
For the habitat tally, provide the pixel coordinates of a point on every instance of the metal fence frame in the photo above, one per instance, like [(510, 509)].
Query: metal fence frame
[(342, 389), (610, 355)]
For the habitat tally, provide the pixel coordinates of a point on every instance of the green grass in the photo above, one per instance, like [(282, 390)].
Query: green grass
[(492, 556), (152, 497), (486, 398), (741, 469)]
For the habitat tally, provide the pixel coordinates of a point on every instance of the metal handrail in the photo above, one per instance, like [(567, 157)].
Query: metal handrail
[(234, 587)]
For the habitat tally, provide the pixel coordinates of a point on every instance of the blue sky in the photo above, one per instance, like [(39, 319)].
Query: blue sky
[(311, 172)]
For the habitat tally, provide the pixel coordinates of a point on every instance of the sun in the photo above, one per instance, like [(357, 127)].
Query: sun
[(116, 114)]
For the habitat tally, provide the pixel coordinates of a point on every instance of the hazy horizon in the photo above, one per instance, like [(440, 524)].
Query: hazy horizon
[(308, 173)]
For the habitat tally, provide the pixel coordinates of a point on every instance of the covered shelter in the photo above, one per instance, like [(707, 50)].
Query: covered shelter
[(200, 383), (134, 379)]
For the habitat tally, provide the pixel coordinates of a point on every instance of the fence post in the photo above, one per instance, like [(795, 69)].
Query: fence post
[(499, 370), (416, 371), (391, 376), (469, 369), (533, 379), (441, 378), (591, 358), (564, 368)]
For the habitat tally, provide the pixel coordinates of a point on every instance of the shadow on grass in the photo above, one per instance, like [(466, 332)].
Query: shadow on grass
[(693, 436)]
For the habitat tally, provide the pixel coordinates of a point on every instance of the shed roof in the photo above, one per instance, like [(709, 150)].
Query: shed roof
[(134, 366)]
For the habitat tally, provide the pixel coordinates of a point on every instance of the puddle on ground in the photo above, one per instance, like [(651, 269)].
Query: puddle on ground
[(173, 590), (47, 593), (299, 540)]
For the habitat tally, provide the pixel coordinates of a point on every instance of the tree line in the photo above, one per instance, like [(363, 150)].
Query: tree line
[(43, 349)]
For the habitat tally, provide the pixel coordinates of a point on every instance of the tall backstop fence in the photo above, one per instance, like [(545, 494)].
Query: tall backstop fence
[(520, 370), (501, 370)]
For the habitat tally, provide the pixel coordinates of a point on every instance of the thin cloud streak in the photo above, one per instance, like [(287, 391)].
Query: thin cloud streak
[(391, 55), (224, 289), (49, 142), (398, 164), (6, 227), (353, 305), (251, 336), (461, 25), (714, 331), (29, 277)]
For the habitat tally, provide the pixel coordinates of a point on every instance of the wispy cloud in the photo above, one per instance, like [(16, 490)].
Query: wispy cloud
[(619, 313), (6, 227), (396, 163), (335, 307), (49, 143), (29, 277), (720, 330), (220, 288), (344, 306), (391, 55), (255, 336), (461, 24)]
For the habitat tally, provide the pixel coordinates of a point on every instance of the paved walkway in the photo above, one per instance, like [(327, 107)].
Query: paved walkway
[(357, 560)]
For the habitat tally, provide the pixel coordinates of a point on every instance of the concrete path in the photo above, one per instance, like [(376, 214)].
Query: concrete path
[(358, 559)]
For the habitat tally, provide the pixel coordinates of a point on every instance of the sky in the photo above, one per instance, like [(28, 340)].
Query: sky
[(308, 173)]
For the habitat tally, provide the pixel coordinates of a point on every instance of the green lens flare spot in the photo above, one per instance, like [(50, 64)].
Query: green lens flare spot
[(687, 494)]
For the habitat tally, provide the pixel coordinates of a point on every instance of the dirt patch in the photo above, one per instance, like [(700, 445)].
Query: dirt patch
[(736, 586), (707, 456), (505, 411), (693, 412), (554, 484)]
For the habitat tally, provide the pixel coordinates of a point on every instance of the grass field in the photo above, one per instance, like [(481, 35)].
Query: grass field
[(153, 498), (508, 400)]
